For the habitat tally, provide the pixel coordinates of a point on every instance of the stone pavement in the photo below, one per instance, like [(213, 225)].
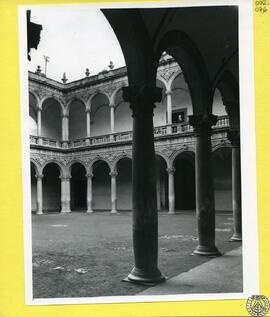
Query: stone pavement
[(219, 275)]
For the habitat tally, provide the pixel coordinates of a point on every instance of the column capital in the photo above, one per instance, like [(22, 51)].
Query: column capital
[(87, 110), (111, 105), (113, 173), (233, 136), (64, 178), (89, 175), (170, 170), (39, 176), (64, 115), (39, 108), (142, 98), (202, 122), (168, 92)]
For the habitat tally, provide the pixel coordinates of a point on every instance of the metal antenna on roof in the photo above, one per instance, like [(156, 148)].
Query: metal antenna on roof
[(47, 59)]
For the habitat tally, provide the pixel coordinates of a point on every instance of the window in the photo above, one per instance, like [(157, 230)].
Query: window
[(179, 116)]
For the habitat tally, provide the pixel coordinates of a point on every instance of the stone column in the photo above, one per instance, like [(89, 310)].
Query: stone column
[(89, 192), (205, 202), (39, 122), (88, 124), (65, 194), (144, 198), (158, 192), (113, 175), (234, 137), (39, 194), (65, 128), (112, 117), (169, 111), (171, 194), (169, 106)]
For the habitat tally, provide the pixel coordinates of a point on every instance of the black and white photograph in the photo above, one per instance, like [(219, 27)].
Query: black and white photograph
[(139, 155)]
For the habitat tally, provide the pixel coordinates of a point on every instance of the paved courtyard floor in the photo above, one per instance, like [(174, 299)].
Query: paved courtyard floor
[(84, 255)]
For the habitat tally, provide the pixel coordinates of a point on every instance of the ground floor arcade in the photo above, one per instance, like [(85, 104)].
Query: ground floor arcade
[(76, 189)]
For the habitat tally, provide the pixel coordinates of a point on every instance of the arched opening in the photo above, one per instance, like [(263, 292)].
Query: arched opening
[(162, 183), (51, 188), (122, 114), (33, 188), (77, 120), (78, 187), (51, 126), (100, 115), (124, 181), (181, 100), (160, 110), (184, 181), (222, 174), (218, 106), (32, 114), (101, 186)]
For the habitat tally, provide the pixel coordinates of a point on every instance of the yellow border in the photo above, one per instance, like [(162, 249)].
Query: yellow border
[(11, 215)]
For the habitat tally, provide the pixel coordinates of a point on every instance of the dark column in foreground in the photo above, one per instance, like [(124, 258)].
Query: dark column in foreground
[(234, 137), (145, 217), (205, 202)]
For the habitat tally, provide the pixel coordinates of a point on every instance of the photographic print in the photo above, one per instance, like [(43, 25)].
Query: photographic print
[(138, 152)]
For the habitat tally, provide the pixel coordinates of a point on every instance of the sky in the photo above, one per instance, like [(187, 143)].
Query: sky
[(74, 38)]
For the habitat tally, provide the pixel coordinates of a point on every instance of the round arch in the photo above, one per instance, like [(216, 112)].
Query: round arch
[(122, 114), (54, 161), (160, 110), (33, 172), (51, 121), (100, 114), (33, 119), (187, 55), (116, 91), (184, 180), (78, 193), (124, 183), (101, 184), (229, 90), (77, 119), (51, 185), (162, 182)]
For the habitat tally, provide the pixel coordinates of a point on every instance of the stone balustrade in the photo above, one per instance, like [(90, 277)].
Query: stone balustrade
[(160, 131)]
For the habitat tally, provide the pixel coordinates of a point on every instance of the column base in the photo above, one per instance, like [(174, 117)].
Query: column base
[(142, 277), (237, 237), (39, 213), (89, 211), (171, 212), (207, 251), (65, 211), (115, 212)]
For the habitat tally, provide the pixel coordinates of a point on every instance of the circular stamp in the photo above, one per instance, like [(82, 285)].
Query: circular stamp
[(257, 305)]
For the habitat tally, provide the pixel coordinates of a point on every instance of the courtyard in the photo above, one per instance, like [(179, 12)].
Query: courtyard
[(85, 255)]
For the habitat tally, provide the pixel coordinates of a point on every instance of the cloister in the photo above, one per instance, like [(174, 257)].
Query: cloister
[(162, 133)]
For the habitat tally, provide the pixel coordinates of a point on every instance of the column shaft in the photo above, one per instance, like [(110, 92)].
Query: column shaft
[(169, 106), (65, 194), (145, 217), (88, 124), (39, 122), (65, 128), (171, 190), (234, 137), (89, 193), (205, 203), (39, 195), (112, 117), (113, 192)]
